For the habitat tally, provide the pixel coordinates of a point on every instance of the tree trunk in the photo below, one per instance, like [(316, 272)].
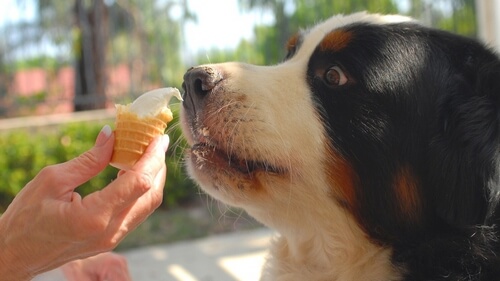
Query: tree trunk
[(90, 47)]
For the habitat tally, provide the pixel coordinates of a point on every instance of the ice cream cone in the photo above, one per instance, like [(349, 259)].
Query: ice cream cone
[(132, 137), (137, 124)]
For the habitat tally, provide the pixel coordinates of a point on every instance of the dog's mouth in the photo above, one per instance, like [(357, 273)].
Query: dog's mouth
[(207, 156)]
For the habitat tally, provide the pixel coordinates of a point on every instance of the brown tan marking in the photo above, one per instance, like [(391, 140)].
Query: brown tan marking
[(292, 42), (336, 40), (406, 191), (343, 179)]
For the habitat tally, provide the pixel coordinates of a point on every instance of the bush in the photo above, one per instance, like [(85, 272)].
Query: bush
[(27, 153)]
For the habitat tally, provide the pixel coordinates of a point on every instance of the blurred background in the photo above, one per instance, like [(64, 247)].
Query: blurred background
[(65, 63)]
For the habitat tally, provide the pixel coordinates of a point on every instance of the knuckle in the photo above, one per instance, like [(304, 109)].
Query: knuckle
[(144, 182), (88, 159), (49, 173)]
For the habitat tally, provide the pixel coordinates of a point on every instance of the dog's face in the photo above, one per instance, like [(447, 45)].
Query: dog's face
[(371, 117)]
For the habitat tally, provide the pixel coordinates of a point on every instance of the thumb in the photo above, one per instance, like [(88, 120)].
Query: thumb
[(84, 167)]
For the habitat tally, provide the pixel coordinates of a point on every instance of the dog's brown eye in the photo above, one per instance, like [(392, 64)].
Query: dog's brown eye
[(335, 76)]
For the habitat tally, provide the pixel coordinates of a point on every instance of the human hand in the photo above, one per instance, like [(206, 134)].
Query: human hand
[(107, 266), (48, 224)]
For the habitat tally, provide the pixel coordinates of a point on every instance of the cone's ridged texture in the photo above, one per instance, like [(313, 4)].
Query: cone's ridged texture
[(133, 135)]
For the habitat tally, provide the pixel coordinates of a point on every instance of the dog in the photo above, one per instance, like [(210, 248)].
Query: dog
[(372, 149)]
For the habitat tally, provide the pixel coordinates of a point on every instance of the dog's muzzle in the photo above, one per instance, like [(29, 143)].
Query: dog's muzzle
[(199, 83)]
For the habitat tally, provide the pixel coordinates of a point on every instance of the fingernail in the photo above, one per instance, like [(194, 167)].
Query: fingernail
[(165, 141), (103, 136)]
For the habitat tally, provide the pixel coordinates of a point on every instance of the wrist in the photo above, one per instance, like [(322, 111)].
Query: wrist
[(10, 268), (10, 263)]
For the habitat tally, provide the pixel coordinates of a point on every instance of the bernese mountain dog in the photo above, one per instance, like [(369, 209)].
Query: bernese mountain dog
[(373, 149)]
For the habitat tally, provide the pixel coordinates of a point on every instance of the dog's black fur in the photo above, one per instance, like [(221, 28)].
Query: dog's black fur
[(426, 100)]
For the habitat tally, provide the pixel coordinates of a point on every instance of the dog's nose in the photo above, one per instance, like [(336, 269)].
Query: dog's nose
[(198, 83)]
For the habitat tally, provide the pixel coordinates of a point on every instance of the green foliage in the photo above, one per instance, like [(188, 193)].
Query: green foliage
[(462, 20), (270, 41), (178, 187), (310, 12), (246, 51), (27, 153), (149, 34), (42, 61), (24, 156), (291, 16), (31, 100)]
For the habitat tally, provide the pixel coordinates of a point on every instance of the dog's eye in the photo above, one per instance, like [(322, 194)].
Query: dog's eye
[(335, 76)]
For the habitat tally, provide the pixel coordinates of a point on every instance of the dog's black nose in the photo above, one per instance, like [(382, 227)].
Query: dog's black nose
[(198, 83)]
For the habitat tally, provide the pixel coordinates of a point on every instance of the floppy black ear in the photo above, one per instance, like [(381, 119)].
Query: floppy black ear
[(464, 164)]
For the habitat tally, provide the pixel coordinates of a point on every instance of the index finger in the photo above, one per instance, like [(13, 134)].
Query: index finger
[(127, 188)]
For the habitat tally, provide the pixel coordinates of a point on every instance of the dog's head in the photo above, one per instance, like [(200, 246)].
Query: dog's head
[(393, 123)]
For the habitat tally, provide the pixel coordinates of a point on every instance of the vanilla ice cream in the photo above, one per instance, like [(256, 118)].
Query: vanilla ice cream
[(153, 102), (138, 123)]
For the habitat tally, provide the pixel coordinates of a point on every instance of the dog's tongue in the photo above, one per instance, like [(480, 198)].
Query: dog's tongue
[(153, 102)]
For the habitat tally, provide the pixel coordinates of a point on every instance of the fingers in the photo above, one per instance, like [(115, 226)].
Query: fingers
[(164, 141), (149, 172), (117, 269), (121, 172), (128, 200), (109, 214), (105, 266), (154, 158), (133, 216)]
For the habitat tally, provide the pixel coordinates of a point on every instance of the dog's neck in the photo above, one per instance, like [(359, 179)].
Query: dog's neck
[(334, 249)]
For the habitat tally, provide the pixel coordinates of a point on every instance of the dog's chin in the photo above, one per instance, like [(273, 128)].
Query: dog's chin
[(228, 177)]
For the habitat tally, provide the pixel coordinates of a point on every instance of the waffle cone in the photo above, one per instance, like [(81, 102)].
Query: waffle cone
[(133, 135)]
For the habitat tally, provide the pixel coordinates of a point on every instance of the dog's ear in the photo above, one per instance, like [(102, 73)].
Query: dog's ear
[(464, 164)]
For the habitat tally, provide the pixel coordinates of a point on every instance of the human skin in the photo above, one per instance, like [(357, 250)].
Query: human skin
[(48, 224), (105, 266)]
